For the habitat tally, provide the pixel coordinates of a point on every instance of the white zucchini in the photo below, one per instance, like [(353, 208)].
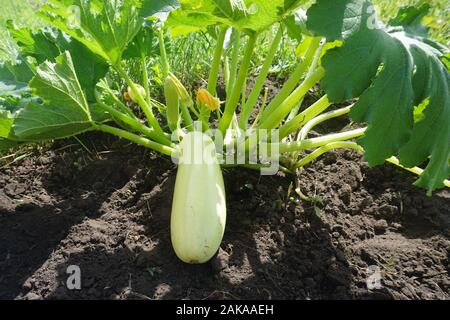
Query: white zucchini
[(199, 206)]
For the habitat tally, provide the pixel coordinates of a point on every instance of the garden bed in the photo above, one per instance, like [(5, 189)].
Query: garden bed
[(108, 211)]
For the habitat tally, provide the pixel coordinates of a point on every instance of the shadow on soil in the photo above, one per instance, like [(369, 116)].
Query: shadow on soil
[(31, 232), (269, 252)]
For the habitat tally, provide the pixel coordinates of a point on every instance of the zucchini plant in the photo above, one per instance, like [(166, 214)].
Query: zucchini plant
[(390, 78)]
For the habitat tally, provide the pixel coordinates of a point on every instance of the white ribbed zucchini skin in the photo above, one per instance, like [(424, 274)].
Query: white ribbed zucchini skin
[(199, 206)]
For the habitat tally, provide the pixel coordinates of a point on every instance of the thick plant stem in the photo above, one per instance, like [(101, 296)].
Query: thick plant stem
[(136, 139), (233, 100), (145, 107), (260, 80), (163, 53), (277, 115), (244, 93), (303, 134), (145, 80), (132, 122), (234, 61), (295, 78), (294, 112), (261, 110), (322, 118), (215, 67), (226, 71), (320, 141), (326, 148), (186, 117), (295, 124), (119, 103), (416, 170)]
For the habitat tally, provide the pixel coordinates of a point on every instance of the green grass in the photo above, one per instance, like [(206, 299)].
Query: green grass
[(21, 12), (438, 18)]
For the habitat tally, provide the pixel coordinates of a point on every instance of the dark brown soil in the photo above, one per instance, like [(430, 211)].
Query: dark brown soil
[(108, 211)]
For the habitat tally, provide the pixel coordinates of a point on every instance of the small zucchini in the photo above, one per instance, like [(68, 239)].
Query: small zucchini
[(172, 102)]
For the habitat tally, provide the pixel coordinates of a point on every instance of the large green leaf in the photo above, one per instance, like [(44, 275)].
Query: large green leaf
[(7, 138), (6, 144), (88, 67), (391, 70), (104, 26), (17, 100), (410, 18), (245, 15), (14, 90), (38, 122), (19, 72), (158, 8), (339, 19), (431, 135), (48, 43), (192, 16), (65, 111), (6, 123), (144, 44), (296, 24), (43, 44)]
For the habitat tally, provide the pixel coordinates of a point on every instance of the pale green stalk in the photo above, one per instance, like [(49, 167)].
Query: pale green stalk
[(314, 110), (312, 68), (233, 100), (226, 71), (145, 107), (261, 110), (259, 82), (215, 67), (327, 148), (163, 53), (234, 60), (416, 170), (289, 147), (136, 139), (145, 80), (278, 114), (119, 103), (132, 122), (294, 79), (186, 116), (322, 118)]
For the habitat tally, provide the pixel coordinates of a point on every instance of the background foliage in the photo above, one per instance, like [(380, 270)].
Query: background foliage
[(195, 64)]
